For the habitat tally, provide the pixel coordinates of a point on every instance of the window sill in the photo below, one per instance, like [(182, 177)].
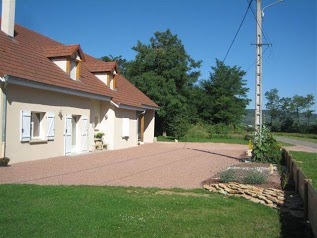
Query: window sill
[(38, 141)]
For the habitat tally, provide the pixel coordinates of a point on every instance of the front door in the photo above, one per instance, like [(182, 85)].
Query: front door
[(68, 134), (76, 134)]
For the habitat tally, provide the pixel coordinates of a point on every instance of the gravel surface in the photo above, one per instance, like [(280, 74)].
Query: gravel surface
[(163, 165), (304, 145)]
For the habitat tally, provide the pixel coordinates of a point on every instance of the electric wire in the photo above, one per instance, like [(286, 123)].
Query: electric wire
[(249, 5), (255, 62)]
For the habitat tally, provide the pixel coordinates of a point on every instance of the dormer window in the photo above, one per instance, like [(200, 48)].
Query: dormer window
[(73, 67), (68, 58), (105, 71)]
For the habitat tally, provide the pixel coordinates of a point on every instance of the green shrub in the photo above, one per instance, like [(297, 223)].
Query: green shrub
[(198, 131), (254, 177), (220, 129), (227, 176), (265, 148), (4, 161), (178, 127), (99, 135)]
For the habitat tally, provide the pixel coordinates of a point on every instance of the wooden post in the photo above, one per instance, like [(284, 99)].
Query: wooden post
[(297, 180), (305, 199)]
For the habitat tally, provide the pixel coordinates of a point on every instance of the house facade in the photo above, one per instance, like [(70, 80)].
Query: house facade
[(54, 98)]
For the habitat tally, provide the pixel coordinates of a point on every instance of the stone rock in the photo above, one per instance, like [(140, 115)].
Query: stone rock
[(222, 192), (221, 185), (273, 198)]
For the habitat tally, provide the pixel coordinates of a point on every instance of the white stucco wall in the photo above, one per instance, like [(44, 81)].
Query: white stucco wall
[(132, 140), (103, 77), (149, 123), (28, 99), (60, 62), (110, 122)]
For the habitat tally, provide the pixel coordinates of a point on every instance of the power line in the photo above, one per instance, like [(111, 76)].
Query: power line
[(249, 5)]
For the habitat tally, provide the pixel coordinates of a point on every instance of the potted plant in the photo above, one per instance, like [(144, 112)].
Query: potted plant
[(4, 161), (98, 140), (99, 135)]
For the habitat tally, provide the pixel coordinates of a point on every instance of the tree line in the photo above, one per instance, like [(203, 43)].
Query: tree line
[(290, 114), (165, 72)]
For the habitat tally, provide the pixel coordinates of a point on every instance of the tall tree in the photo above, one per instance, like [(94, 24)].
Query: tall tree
[(165, 72), (309, 102), (227, 93), (273, 104)]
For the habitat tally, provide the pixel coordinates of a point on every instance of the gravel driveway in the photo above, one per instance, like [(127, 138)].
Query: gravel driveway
[(163, 165)]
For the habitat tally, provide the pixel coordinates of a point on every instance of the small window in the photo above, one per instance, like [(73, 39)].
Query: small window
[(36, 125), (125, 128)]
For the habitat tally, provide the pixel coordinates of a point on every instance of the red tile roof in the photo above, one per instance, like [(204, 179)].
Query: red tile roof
[(94, 65), (26, 56), (128, 94), (62, 50)]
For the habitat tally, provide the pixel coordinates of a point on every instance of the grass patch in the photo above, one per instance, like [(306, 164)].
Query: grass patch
[(79, 211), (228, 139), (308, 164)]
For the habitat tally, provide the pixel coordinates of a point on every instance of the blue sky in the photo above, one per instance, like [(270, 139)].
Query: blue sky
[(206, 28)]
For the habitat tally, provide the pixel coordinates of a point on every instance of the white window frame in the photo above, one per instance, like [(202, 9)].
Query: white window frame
[(40, 125), (46, 127)]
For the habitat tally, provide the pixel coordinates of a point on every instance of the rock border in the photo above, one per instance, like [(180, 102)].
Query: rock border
[(270, 197)]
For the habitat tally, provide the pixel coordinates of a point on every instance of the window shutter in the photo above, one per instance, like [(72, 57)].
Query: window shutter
[(125, 127), (50, 126), (25, 126), (84, 134), (78, 70)]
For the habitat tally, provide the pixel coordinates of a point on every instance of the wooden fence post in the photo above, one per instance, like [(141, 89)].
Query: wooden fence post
[(305, 198)]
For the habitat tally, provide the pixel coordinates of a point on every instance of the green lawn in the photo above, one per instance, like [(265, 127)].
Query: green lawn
[(228, 140), (82, 211), (308, 164)]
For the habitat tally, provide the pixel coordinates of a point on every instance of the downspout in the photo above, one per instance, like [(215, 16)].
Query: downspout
[(4, 80)]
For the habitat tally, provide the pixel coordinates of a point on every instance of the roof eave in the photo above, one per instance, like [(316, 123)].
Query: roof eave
[(32, 84), (151, 107), (127, 107)]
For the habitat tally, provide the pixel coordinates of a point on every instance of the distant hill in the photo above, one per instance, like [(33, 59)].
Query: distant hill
[(248, 119)]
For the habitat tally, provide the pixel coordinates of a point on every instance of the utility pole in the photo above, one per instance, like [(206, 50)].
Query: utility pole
[(258, 83)]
